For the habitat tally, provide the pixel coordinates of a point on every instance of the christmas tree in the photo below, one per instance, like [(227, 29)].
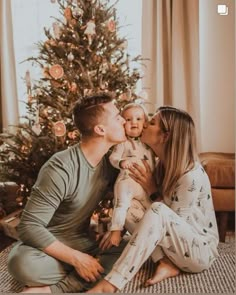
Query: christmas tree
[(83, 54)]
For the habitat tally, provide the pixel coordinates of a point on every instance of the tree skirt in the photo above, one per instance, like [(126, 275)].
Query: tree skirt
[(220, 278)]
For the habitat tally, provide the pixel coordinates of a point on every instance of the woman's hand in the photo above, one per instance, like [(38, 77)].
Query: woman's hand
[(144, 176)]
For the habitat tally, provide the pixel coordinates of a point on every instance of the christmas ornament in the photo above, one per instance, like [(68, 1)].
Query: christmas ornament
[(56, 84), (77, 12), (36, 128), (20, 195), (97, 58), (52, 42), (73, 22), (111, 25), (70, 57), (73, 87), (103, 85), (56, 30), (90, 30), (87, 91), (56, 71), (68, 14), (114, 68), (24, 149), (46, 72), (104, 66), (73, 134), (59, 128), (92, 73)]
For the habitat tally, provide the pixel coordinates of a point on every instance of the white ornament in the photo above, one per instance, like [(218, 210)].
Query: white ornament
[(36, 128), (56, 30), (70, 56), (77, 12)]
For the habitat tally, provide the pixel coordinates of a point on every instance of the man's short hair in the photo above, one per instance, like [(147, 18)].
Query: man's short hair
[(88, 110)]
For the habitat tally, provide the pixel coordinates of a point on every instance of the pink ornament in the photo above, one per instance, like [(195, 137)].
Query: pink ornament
[(59, 128), (56, 71), (111, 25)]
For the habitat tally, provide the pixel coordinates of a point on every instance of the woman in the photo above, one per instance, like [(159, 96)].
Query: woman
[(180, 226)]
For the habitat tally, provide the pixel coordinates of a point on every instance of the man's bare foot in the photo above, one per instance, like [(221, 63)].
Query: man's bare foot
[(44, 289), (103, 287), (165, 269)]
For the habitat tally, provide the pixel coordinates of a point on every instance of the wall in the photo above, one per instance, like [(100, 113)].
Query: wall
[(217, 76)]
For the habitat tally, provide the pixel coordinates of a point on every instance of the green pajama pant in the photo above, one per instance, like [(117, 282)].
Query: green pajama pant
[(32, 267)]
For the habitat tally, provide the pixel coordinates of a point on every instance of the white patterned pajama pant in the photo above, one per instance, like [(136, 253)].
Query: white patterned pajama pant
[(160, 232)]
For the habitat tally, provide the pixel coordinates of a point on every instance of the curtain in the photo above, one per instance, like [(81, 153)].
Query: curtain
[(9, 104), (170, 40)]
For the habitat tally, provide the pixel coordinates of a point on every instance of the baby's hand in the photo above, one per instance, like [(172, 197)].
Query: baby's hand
[(126, 164), (115, 237)]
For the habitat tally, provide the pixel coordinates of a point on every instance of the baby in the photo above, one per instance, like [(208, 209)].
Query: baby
[(122, 157)]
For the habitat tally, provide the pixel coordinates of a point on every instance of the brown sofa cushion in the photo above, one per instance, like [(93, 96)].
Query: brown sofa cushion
[(223, 199), (220, 168)]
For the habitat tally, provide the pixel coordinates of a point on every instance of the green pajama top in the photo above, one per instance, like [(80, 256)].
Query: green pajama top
[(66, 192)]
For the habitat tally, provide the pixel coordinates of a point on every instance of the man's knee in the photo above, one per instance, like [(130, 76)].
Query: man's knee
[(22, 267)]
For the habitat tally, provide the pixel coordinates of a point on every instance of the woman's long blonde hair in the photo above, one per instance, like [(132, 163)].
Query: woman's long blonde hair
[(180, 151)]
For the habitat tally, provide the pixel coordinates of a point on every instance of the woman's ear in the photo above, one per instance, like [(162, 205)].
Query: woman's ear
[(99, 129), (166, 136)]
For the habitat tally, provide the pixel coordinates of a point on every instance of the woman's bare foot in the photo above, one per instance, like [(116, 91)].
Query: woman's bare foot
[(165, 269), (44, 289), (103, 287)]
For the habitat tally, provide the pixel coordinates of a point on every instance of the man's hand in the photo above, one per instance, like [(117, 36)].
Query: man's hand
[(87, 266)]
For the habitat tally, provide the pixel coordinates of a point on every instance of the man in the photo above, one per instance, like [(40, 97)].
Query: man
[(55, 253)]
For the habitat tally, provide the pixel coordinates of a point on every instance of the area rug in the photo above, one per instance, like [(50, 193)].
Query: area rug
[(219, 279)]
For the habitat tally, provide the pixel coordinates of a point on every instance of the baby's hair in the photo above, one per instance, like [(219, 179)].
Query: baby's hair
[(135, 105)]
